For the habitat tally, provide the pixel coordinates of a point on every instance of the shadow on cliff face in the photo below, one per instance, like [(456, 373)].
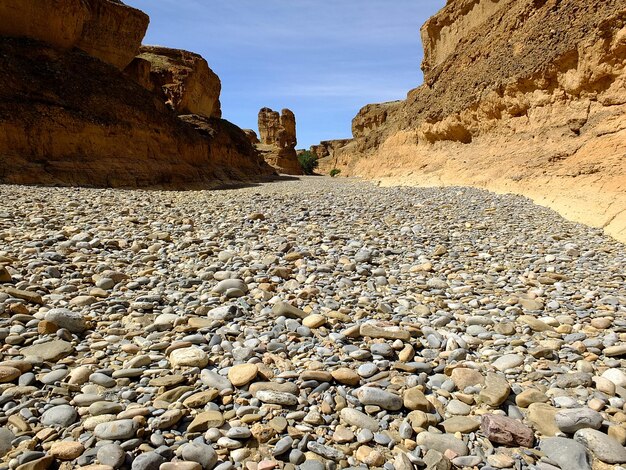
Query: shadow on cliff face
[(68, 119)]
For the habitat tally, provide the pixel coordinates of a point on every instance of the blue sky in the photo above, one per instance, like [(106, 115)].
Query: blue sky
[(323, 59)]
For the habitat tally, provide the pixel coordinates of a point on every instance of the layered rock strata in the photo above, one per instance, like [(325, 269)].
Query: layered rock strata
[(519, 96), (70, 116), (327, 148), (278, 140), (108, 30)]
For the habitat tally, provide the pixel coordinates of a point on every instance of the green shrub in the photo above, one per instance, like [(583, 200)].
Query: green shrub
[(334, 172), (308, 162)]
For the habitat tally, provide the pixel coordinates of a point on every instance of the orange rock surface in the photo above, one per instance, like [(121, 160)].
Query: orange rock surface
[(106, 29), (522, 96), (70, 116)]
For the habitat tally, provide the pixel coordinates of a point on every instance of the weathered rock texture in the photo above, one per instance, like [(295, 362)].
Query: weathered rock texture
[(108, 30), (278, 140), (85, 123), (252, 137), (70, 118), (183, 79), (327, 148), (524, 96)]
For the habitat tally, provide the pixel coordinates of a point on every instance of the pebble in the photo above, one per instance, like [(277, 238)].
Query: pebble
[(375, 396), (59, 416), (567, 453), (112, 455)]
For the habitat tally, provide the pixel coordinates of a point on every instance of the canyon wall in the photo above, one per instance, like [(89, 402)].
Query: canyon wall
[(523, 96), (78, 107), (108, 30)]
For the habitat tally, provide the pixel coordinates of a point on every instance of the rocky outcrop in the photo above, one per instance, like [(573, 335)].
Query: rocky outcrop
[(524, 96), (252, 137), (105, 29), (183, 80), (269, 126), (278, 140), (70, 116), (85, 123), (327, 148)]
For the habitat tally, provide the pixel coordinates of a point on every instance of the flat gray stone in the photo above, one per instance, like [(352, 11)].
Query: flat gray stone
[(64, 318), (359, 419), (116, 430), (60, 416), (376, 396), (442, 442), (567, 453), (277, 398), (571, 420), (112, 455), (283, 309)]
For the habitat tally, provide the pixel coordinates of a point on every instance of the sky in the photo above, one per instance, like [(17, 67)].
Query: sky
[(323, 59)]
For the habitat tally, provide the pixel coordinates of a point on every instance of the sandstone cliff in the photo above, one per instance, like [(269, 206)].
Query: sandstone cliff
[(327, 148), (278, 140), (70, 116), (183, 80), (108, 30), (524, 96)]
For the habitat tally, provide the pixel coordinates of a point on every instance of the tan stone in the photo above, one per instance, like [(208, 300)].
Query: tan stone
[(242, 374), (200, 399), (346, 376), (462, 424), (180, 466), (67, 450), (464, 377), (382, 330), (541, 416), (530, 396), (314, 321), (318, 375), (414, 399), (206, 420), (5, 277), (8, 374), (495, 391)]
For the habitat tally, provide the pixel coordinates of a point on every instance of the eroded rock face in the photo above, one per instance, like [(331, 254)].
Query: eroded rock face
[(278, 140), (252, 137), (269, 126), (183, 79), (85, 123), (287, 135), (326, 153), (107, 30), (519, 96)]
